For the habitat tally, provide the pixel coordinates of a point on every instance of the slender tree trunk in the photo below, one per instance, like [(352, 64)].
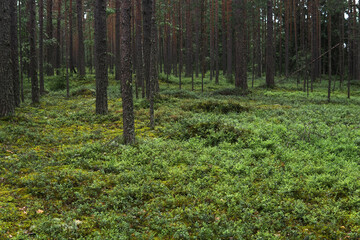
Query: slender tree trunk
[(14, 52), (314, 67), (189, 66), (229, 39), (101, 57), (21, 56), (287, 13), (258, 46), (49, 32), (212, 33), (139, 48), (35, 95), (198, 37), (67, 50), (71, 40), (147, 14), (216, 43), (81, 49), (117, 40), (126, 74), (269, 47), (153, 64), (180, 43), (41, 46), (203, 42), (58, 39), (223, 31), (7, 101), (329, 61), (342, 58)]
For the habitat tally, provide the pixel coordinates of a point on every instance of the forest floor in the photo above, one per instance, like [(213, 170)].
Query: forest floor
[(274, 164)]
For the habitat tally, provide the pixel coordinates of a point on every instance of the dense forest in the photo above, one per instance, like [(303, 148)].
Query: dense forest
[(179, 119)]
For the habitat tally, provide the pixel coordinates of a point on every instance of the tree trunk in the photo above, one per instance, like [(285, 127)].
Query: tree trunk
[(41, 46), (189, 66), (153, 64), (58, 39), (269, 47), (180, 43), (241, 46), (139, 48), (216, 43), (126, 73), (229, 39), (329, 49), (81, 49), (35, 95), (314, 67), (212, 33), (147, 14), (117, 40), (342, 54), (21, 56), (101, 57), (223, 31), (71, 40), (7, 102), (14, 52), (287, 13), (49, 32)]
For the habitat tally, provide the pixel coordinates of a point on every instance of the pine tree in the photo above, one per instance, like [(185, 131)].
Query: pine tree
[(126, 74), (7, 102), (101, 57)]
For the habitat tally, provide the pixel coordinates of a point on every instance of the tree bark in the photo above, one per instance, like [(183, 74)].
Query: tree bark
[(50, 50), (229, 39), (7, 101), (189, 42), (117, 41), (41, 46), (241, 46), (139, 48), (81, 49), (126, 73), (269, 47), (147, 15), (329, 60), (223, 31), (21, 56), (216, 43), (71, 40), (35, 95), (58, 39), (153, 64), (101, 57), (14, 52), (287, 13)]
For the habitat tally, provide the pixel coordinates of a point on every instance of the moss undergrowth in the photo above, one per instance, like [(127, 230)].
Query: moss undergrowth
[(268, 164)]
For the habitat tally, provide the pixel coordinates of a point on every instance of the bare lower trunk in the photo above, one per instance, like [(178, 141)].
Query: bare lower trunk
[(126, 73), (101, 57)]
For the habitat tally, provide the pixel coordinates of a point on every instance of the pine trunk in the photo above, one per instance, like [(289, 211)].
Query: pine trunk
[(41, 46), (14, 52), (126, 73), (81, 49), (7, 102), (35, 95), (50, 50), (269, 47), (101, 72)]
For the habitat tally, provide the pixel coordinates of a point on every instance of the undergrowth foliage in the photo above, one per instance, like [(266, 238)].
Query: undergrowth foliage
[(219, 165)]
